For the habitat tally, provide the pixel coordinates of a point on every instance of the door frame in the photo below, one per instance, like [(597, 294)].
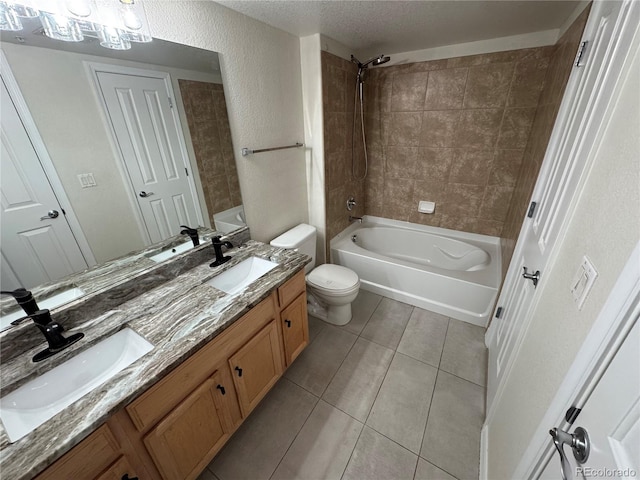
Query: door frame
[(92, 69), (45, 160)]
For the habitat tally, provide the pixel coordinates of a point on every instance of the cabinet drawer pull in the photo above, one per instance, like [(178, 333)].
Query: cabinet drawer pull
[(288, 322), (221, 388), (127, 477), (239, 370)]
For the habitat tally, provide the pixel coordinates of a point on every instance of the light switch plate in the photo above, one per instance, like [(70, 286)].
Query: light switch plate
[(87, 180), (583, 281)]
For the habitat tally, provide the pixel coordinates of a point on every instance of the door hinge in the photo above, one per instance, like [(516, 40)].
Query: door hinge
[(63, 212), (572, 414), (170, 103), (186, 171), (532, 209), (579, 56), (499, 312)]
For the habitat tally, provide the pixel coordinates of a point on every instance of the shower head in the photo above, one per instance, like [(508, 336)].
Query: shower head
[(380, 60)]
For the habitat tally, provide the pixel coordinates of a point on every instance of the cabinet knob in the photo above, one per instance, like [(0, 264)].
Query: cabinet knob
[(288, 322), (221, 388), (239, 370), (127, 477)]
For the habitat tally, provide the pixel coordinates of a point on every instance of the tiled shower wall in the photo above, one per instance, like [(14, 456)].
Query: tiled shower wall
[(548, 106), (338, 89), (208, 122), (451, 131)]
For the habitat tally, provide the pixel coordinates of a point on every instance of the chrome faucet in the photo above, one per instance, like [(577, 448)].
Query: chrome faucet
[(51, 330), (355, 219), (217, 246)]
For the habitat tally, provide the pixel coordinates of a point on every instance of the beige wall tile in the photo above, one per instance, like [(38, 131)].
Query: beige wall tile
[(462, 200), (488, 85), (478, 128), (434, 164), (458, 222), (505, 167), (516, 127), (528, 81), (408, 91), (395, 199), (467, 61), (438, 128), (445, 89), (401, 162), (496, 203), (404, 128), (471, 167)]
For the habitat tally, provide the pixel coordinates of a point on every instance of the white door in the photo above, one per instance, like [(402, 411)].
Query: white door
[(576, 131), (611, 417), (37, 247), (150, 140)]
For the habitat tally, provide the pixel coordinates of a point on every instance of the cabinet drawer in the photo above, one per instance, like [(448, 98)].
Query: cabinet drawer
[(187, 439), (295, 328), (156, 402), (87, 459), (291, 289)]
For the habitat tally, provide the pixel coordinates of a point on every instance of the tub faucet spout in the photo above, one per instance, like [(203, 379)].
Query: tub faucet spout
[(355, 219)]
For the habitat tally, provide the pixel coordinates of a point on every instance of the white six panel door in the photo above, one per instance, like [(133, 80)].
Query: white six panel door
[(34, 251), (150, 143)]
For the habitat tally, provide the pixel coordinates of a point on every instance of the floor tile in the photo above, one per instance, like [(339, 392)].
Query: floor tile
[(377, 457), (355, 386), (387, 323), (362, 308), (315, 327), (318, 363), (257, 447), (428, 471), (322, 448), (465, 354), (423, 339), (207, 475), (452, 437), (401, 408)]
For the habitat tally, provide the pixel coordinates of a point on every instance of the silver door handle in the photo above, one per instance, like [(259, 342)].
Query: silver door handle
[(50, 214), (534, 277), (144, 194), (579, 443)]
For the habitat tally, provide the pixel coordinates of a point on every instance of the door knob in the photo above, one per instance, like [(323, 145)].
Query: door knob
[(579, 443), (534, 277), (144, 194), (50, 214)]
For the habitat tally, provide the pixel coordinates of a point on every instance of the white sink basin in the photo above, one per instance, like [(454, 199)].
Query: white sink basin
[(238, 277), (61, 298), (40, 399), (172, 252)]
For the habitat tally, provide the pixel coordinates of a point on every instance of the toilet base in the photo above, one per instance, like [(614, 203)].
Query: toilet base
[(333, 314)]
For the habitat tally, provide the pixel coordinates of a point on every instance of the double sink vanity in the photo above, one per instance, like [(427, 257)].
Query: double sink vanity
[(175, 355)]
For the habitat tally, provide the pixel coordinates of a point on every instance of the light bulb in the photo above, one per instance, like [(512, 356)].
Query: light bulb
[(79, 8)]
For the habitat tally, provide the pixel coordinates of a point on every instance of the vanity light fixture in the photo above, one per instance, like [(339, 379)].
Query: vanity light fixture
[(115, 23)]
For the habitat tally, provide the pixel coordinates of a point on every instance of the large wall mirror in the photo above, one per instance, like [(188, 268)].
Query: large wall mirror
[(111, 159)]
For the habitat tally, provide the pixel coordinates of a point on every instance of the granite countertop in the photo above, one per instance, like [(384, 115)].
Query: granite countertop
[(178, 317)]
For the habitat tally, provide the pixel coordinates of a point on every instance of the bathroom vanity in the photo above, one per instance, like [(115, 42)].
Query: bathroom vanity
[(214, 357)]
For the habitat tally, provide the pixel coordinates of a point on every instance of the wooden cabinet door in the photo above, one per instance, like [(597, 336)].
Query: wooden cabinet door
[(188, 438), (256, 367), (295, 328)]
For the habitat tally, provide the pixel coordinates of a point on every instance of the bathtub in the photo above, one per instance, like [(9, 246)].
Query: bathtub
[(456, 274)]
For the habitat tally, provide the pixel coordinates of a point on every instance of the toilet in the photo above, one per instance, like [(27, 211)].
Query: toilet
[(330, 288)]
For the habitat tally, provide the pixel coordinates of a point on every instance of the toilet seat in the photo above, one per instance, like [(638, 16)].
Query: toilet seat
[(333, 279)]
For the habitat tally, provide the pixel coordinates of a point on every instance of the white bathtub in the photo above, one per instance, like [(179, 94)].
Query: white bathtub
[(456, 274)]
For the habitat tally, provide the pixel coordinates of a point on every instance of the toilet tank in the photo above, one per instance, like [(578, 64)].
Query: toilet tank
[(302, 238)]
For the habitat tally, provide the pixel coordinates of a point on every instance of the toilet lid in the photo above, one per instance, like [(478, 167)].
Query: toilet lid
[(333, 277)]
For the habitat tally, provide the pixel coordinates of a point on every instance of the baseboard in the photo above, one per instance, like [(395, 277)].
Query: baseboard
[(484, 453)]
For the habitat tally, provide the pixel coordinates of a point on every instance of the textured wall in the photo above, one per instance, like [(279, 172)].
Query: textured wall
[(338, 89), (452, 131), (261, 73), (206, 112), (548, 106)]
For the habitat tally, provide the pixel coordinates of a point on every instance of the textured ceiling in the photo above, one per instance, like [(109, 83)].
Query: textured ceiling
[(403, 26)]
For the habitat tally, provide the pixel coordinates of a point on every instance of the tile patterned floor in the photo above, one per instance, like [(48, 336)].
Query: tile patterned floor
[(396, 394)]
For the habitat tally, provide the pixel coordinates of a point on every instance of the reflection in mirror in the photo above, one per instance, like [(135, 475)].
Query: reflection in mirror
[(99, 148)]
